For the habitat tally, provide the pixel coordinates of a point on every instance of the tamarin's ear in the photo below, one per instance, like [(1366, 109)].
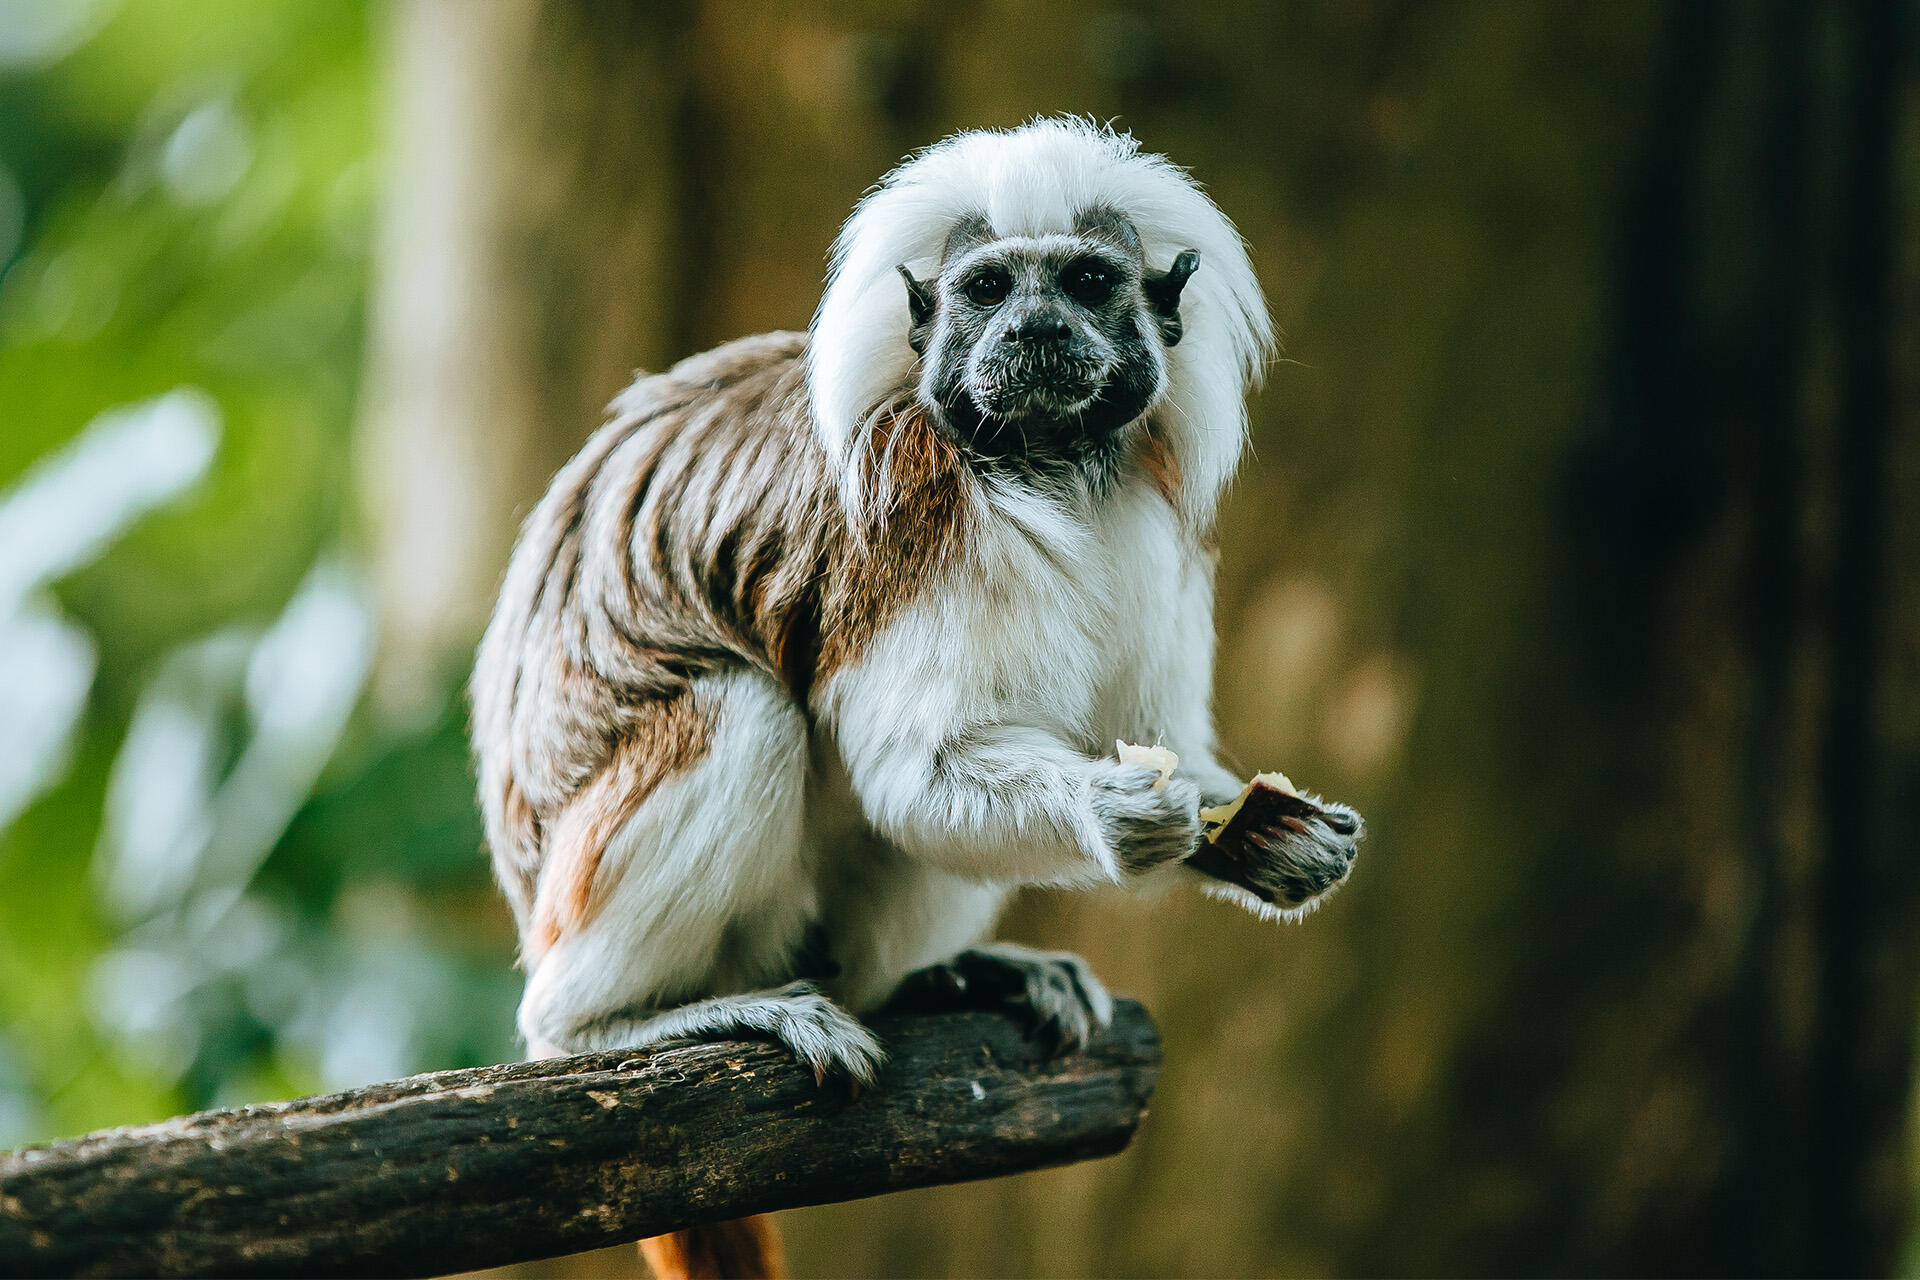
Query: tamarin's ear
[(919, 307), (1163, 293)]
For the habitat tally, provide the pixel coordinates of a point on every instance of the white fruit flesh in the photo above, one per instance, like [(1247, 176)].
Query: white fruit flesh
[(1153, 757)]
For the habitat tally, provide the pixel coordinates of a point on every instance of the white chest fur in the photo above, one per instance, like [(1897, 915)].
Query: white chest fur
[(1041, 623)]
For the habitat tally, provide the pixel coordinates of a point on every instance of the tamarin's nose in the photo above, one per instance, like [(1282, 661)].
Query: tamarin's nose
[(1046, 327)]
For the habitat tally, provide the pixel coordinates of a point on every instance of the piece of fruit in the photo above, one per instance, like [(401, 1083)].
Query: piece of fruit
[(1153, 757)]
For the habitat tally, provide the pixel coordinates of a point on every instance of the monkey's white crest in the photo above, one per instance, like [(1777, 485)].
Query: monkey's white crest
[(1033, 181)]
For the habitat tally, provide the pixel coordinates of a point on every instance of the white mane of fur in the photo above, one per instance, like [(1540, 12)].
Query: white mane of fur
[(1032, 181)]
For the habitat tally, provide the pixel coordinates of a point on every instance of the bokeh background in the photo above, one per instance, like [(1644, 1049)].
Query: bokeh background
[(1578, 547)]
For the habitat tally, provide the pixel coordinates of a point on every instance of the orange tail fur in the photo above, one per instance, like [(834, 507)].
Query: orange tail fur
[(744, 1249)]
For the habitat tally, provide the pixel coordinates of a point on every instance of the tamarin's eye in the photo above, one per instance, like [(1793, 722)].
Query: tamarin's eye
[(1088, 283), (987, 288)]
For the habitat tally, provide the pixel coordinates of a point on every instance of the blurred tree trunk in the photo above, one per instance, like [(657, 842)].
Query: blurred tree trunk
[(1567, 551), (1732, 500), (533, 251)]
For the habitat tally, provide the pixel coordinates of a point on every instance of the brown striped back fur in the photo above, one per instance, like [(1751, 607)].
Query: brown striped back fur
[(700, 530)]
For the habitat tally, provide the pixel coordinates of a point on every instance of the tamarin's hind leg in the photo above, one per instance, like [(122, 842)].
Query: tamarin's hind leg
[(681, 902), (823, 1036), (1064, 1002)]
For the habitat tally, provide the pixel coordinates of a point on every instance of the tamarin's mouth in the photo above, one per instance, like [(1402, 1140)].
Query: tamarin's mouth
[(1028, 391), (1039, 402)]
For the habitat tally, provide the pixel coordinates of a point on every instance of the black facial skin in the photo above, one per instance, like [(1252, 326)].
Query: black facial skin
[(1038, 352)]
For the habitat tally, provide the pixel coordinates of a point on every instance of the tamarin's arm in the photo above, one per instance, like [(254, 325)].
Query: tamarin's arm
[(1006, 802)]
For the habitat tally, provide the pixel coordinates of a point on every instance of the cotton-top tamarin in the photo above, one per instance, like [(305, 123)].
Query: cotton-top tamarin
[(820, 647)]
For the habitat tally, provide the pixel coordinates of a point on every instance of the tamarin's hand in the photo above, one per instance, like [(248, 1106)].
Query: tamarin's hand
[(1287, 849), (1147, 821)]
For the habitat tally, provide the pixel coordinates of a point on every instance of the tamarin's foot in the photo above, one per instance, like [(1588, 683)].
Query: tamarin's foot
[(1065, 1004), (823, 1036)]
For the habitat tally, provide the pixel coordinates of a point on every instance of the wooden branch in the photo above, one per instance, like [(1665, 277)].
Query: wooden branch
[(465, 1169)]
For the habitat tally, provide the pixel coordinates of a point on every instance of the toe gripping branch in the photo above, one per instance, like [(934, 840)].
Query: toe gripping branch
[(1053, 993)]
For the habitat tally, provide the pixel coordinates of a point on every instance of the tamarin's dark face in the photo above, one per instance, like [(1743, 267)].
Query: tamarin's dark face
[(1038, 350)]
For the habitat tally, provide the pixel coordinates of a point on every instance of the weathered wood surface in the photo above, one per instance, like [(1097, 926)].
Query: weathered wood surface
[(464, 1169)]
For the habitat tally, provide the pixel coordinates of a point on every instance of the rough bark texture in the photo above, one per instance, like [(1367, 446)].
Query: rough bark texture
[(464, 1169)]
